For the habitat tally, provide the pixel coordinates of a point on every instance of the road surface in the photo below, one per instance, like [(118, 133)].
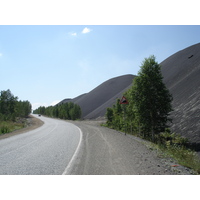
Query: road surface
[(48, 150), (80, 148)]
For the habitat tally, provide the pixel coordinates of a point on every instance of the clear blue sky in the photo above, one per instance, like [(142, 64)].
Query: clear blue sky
[(45, 64)]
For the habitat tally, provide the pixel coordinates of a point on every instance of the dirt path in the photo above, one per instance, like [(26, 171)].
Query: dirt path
[(33, 123)]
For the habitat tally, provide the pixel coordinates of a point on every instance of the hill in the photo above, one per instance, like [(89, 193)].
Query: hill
[(95, 103), (181, 73)]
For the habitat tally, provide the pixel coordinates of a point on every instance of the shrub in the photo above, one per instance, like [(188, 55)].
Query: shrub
[(167, 138), (4, 129)]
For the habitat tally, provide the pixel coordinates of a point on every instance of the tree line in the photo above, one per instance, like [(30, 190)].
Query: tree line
[(149, 104), (68, 111), (11, 107)]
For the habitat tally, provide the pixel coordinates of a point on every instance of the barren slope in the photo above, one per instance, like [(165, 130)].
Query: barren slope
[(181, 73), (102, 94), (95, 103)]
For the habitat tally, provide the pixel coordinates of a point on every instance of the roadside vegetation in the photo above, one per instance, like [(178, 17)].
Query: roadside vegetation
[(12, 112), (69, 111), (177, 147), (146, 111)]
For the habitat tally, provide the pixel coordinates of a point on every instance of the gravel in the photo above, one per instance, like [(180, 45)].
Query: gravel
[(105, 151)]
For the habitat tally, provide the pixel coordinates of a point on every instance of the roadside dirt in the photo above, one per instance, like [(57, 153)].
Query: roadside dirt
[(32, 123), (106, 151)]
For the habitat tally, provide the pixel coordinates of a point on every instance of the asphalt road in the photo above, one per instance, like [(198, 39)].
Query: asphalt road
[(48, 150), (80, 148)]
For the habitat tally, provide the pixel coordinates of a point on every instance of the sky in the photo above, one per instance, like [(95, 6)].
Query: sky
[(45, 64)]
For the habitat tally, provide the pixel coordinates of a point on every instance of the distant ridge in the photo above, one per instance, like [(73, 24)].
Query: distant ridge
[(72, 100), (181, 73), (94, 104)]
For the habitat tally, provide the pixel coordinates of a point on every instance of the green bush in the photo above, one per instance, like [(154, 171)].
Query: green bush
[(167, 138), (9, 126), (4, 129), (177, 147)]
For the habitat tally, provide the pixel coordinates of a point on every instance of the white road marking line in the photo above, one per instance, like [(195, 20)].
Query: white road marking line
[(75, 153)]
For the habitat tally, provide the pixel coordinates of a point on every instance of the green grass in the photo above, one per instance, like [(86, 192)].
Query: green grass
[(177, 147), (184, 156), (9, 126), (179, 153)]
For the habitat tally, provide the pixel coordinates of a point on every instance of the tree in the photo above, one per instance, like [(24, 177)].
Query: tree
[(23, 108), (68, 110), (11, 108), (151, 99), (149, 104), (109, 116), (8, 105)]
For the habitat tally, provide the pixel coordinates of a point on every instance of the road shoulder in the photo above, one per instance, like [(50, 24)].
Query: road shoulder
[(105, 151)]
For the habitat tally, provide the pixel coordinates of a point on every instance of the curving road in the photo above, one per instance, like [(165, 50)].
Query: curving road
[(48, 150), (81, 148)]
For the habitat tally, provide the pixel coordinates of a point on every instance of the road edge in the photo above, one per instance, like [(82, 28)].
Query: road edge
[(69, 166)]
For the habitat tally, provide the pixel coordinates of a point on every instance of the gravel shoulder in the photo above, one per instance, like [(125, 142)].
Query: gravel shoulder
[(104, 151), (32, 123)]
